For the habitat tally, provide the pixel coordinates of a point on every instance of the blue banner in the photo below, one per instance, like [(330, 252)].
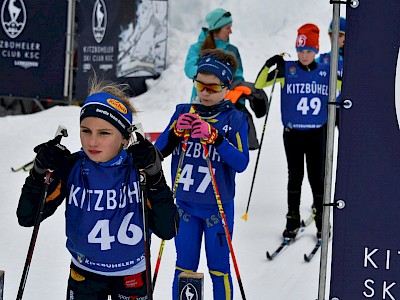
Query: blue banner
[(366, 236), (32, 48)]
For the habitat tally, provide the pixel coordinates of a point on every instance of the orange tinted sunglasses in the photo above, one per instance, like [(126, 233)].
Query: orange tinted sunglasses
[(210, 88)]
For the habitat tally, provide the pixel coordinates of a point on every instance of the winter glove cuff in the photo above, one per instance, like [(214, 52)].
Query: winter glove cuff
[(179, 132)]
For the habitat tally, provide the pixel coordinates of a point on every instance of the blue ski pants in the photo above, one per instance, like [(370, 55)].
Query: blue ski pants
[(196, 220)]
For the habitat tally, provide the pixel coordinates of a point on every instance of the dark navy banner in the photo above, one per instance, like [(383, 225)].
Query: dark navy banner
[(32, 48), (97, 43), (121, 40), (366, 232)]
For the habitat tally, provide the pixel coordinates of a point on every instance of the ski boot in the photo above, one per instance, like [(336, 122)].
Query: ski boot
[(292, 225)]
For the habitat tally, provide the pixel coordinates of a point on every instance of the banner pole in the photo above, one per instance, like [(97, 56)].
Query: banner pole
[(329, 151), (69, 52)]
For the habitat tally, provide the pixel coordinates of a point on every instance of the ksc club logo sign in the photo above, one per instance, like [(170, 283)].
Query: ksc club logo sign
[(99, 20), (13, 17), (189, 292)]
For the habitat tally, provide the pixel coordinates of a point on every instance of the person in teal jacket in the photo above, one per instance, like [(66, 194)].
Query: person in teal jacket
[(215, 36)]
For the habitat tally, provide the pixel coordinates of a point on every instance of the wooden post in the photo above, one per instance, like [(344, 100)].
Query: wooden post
[(1, 284), (191, 286)]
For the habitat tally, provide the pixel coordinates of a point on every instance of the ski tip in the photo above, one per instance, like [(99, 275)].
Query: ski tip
[(269, 256), (244, 217), (306, 258)]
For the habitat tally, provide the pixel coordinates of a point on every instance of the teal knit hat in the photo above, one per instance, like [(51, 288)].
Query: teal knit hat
[(218, 18)]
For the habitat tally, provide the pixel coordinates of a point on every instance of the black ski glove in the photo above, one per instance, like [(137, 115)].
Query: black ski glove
[(275, 60), (145, 156), (50, 155)]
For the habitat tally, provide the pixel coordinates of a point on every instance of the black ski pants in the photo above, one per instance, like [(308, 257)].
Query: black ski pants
[(309, 144), (84, 285)]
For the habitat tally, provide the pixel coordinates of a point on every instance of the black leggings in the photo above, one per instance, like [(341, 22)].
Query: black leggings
[(310, 144), (84, 285)]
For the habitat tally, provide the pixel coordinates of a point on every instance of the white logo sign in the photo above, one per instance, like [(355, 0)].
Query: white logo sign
[(99, 20), (13, 17), (189, 292)]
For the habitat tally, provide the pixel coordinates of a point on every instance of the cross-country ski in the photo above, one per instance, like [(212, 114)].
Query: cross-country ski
[(308, 257), (286, 242)]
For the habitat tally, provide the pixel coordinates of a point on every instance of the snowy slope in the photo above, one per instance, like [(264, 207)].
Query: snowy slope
[(261, 29)]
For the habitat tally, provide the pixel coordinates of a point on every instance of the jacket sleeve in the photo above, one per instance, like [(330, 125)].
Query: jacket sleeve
[(32, 194), (265, 79), (259, 103), (31, 197), (239, 71), (235, 153), (168, 141), (192, 59), (163, 213)]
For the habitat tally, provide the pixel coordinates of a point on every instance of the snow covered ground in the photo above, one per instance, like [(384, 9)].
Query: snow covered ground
[(261, 29)]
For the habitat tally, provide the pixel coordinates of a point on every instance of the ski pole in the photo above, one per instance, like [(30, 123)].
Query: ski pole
[(222, 213), (176, 182), (146, 235), (174, 188), (261, 142), (25, 167), (61, 131)]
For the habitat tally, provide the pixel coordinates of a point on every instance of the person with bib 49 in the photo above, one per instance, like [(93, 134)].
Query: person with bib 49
[(304, 112)]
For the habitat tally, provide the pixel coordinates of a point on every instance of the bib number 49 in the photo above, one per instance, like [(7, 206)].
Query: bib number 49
[(305, 104)]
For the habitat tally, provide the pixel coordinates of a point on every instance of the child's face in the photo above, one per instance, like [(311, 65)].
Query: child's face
[(306, 57), (208, 98), (340, 40), (100, 140)]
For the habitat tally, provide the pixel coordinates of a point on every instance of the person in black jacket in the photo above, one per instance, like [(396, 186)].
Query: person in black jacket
[(104, 204)]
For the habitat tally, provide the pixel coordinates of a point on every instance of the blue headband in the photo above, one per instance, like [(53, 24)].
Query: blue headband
[(223, 70), (109, 108)]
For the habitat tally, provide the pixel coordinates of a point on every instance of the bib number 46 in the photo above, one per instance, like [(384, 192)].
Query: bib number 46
[(100, 233)]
